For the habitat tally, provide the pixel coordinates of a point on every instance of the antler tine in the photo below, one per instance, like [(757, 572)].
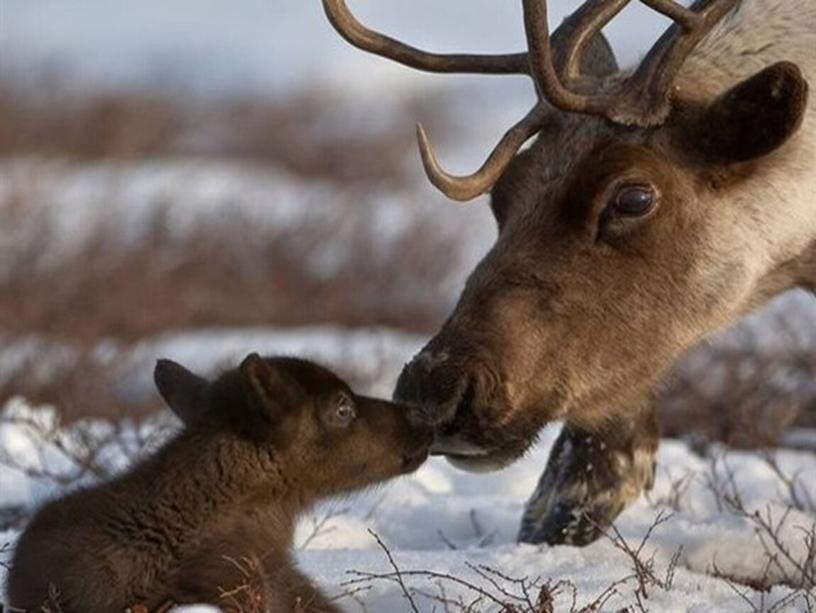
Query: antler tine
[(570, 40), (642, 99), (543, 69), (645, 96), (368, 40), (676, 12), (463, 188)]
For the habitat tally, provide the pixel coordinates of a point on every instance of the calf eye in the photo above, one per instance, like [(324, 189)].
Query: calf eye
[(634, 200), (344, 410)]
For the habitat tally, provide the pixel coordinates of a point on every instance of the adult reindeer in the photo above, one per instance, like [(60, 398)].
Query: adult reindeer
[(654, 207)]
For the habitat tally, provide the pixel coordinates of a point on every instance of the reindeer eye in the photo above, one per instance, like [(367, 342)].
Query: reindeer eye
[(634, 200)]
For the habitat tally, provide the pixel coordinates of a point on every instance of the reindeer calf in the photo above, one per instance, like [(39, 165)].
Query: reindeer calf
[(210, 517)]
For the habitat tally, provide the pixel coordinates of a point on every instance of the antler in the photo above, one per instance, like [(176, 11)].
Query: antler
[(642, 99), (647, 91), (368, 40), (469, 187), (575, 33)]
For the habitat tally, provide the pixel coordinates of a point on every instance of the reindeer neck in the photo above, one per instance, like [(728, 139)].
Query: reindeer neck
[(809, 274)]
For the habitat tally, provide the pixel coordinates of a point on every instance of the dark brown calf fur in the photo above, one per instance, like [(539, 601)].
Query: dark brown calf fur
[(209, 518)]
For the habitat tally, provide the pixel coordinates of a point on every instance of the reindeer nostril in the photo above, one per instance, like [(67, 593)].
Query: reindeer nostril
[(436, 387), (446, 412)]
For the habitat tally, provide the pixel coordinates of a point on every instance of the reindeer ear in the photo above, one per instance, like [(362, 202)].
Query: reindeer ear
[(272, 390), (182, 390), (756, 116)]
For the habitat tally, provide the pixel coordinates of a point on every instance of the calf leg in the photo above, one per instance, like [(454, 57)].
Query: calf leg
[(590, 478)]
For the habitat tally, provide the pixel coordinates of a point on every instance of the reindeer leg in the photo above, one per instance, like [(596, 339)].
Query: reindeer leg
[(590, 478)]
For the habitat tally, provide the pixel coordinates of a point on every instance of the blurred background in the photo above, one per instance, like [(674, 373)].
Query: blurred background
[(198, 179)]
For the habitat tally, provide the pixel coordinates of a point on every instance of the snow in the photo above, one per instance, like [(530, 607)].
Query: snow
[(439, 519), (419, 523), (446, 521), (73, 203), (423, 517), (428, 520)]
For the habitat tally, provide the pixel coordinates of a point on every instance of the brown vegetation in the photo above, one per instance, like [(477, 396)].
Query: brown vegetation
[(742, 394), (224, 272), (134, 125), (230, 275), (237, 274)]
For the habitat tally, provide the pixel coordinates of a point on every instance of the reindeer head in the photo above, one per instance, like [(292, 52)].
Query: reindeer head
[(322, 437), (623, 238)]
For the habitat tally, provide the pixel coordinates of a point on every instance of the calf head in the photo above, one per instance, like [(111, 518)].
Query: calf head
[(319, 434)]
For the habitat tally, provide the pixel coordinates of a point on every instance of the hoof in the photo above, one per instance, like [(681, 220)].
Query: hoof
[(565, 524), (587, 483)]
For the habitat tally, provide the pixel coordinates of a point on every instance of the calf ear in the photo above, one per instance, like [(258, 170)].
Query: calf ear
[(756, 116), (182, 390), (272, 390)]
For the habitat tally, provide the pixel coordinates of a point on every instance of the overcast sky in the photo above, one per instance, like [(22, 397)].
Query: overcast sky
[(258, 44)]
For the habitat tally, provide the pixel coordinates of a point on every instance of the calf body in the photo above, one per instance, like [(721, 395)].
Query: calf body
[(209, 518)]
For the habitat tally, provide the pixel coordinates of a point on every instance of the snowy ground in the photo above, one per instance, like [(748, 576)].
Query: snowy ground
[(444, 521), (439, 520), (72, 204)]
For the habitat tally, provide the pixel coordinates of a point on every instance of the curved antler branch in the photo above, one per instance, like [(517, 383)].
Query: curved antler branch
[(643, 99), (463, 188), (687, 18), (571, 38), (645, 96), (542, 66), (368, 40)]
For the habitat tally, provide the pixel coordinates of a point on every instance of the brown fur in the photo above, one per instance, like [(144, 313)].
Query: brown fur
[(210, 516), (578, 310)]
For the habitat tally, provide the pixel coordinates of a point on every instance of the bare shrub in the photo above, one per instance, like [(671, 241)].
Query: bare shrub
[(306, 136), (249, 595), (299, 131), (88, 450), (232, 275), (643, 567), (494, 590), (742, 393), (782, 566), (229, 272), (235, 275), (107, 125), (84, 387)]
